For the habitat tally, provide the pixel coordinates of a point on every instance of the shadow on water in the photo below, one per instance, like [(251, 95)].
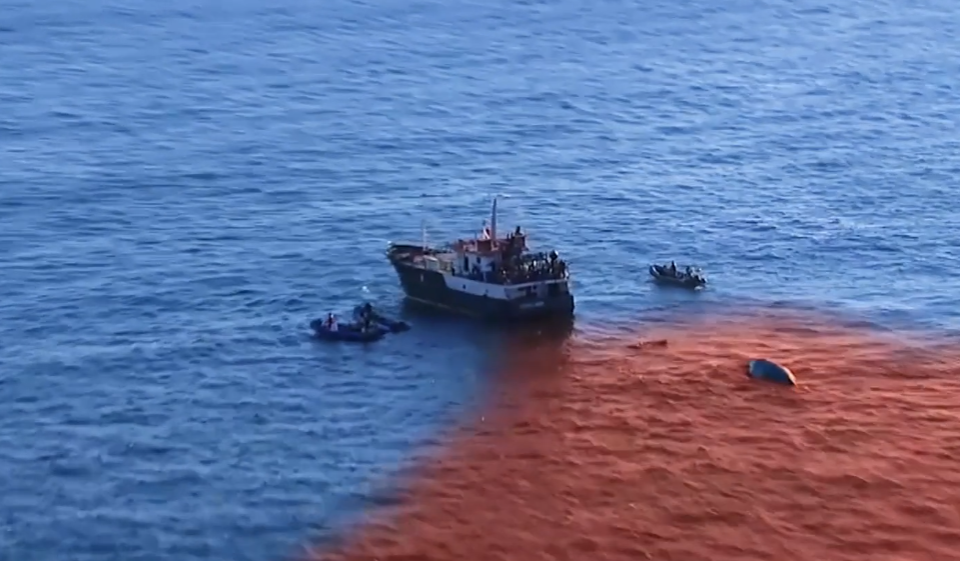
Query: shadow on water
[(430, 317), (502, 340)]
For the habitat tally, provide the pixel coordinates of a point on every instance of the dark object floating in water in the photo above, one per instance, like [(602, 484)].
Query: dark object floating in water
[(763, 369), (393, 325), (690, 277), (659, 343), (352, 332), (491, 276)]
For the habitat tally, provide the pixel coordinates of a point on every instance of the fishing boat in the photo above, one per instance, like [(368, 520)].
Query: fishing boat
[(488, 276)]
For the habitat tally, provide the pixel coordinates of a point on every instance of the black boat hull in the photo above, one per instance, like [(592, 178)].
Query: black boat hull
[(429, 288)]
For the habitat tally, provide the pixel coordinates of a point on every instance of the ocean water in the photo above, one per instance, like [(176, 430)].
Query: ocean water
[(184, 185)]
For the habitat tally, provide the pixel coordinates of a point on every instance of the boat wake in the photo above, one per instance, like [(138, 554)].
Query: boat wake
[(613, 450)]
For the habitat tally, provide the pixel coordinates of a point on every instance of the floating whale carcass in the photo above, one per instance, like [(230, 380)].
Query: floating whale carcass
[(763, 369)]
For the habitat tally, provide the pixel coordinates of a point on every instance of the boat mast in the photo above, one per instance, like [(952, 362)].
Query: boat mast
[(493, 221), (423, 234)]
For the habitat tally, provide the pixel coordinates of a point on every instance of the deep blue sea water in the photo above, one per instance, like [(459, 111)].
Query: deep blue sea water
[(184, 184)]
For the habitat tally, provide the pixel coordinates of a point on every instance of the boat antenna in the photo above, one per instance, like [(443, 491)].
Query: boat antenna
[(423, 233), (493, 220)]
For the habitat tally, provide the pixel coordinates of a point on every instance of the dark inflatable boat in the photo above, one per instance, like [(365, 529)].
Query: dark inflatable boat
[(392, 325), (690, 278), (352, 332)]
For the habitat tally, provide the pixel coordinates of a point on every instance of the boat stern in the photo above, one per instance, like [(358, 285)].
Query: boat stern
[(557, 306)]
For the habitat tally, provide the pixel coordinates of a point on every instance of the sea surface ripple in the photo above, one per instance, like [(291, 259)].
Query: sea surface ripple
[(183, 185)]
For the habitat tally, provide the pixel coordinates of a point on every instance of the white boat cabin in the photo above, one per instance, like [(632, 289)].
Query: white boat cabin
[(482, 255), (497, 266)]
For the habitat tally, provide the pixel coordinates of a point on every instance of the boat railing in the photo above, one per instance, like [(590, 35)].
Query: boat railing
[(540, 282)]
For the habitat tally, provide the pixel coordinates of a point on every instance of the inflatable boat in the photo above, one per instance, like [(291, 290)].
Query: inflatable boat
[(392, 325), (664, 274), (352, 332)]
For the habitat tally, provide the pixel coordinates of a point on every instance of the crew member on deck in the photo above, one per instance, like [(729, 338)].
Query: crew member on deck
[(485, 234), (332, 322)]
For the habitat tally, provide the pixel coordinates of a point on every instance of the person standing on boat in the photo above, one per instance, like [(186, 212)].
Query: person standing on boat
[(366, 316), (332, 323)]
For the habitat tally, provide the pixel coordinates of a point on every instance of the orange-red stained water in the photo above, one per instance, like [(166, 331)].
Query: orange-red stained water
[(607, 451)]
